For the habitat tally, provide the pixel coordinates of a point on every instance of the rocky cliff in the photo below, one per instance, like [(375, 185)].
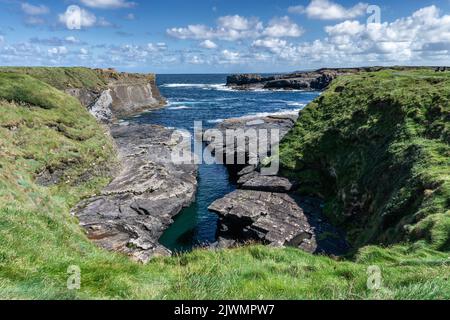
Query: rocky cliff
[(264, 208), (375, 146), (309, 80), (106, 93), (124, 94), (133, 211)]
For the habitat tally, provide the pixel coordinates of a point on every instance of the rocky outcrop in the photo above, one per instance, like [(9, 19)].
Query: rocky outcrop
[(270, 218), (247, 79), (276, 219), (125, 94), (257, 181), (258, 125), (128, 99), (309, 80), (133, 211), (263, 209)]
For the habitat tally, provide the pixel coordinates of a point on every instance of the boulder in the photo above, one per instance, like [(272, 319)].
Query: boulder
[(256, 181), (269, 218)]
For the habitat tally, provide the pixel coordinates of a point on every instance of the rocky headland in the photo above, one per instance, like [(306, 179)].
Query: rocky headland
[(317, 80)]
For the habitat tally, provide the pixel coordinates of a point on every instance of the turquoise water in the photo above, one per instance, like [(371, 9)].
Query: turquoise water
[(205, 98)]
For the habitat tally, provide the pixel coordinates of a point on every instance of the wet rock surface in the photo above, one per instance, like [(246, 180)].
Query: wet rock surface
[(133, 211)]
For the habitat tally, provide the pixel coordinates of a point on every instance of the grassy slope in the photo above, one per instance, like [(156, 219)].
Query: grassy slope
[(63, 78), (40, 240), (377, 147)]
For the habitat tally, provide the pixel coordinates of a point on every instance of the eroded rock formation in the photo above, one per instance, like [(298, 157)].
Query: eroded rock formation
[(124, 95), (264, 209), (133, 211)]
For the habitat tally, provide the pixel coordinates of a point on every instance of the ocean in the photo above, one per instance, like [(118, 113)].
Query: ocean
[(206, 98)]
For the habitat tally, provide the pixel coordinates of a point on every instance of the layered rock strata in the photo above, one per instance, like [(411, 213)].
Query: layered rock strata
[(133, 211), (125, 94), (264, 208)]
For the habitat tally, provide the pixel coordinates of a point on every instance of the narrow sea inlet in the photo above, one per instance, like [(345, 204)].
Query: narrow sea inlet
[(205, 98)]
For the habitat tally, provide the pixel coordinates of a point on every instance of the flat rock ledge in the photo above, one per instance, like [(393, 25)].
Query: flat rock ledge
[(225, 150), (270, 218), (133, 211)]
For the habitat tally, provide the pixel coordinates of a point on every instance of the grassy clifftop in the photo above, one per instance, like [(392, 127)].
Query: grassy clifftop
[(52, 153), (79, 77), (376, 146), (63, 78)]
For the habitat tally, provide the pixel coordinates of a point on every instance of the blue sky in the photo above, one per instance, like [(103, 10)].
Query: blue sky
[(210, 36)]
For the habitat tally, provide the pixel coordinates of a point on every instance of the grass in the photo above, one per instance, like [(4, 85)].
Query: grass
[(376, 146), (40, 240), (63, 78)]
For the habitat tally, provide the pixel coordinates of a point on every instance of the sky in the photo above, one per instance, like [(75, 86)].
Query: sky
[(223, 36)]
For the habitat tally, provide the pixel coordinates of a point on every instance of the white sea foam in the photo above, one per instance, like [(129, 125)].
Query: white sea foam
[(216, 121), (194, 85), (181, 107), (296, 104), (263, 114), (267, 114)]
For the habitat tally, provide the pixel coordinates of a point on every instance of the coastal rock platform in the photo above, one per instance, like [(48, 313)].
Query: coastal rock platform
[(133, 211)]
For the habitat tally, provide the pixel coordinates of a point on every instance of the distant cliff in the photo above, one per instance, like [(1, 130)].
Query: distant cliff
[(106, 93), (124, 94), (309, 80)]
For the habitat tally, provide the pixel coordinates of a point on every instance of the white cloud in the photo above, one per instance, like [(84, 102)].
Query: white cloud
[(130, 16), (283, 27), (57, 51), (420, 38), (296, 9), (328, 10), (345, 28), (237, 22), (33, 10), (230, 28), (403, 37), (233, 28), (231, 57), (71, 39), (87, 20), (195, 60), (160, 46), (108, 4), (208, 44)]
